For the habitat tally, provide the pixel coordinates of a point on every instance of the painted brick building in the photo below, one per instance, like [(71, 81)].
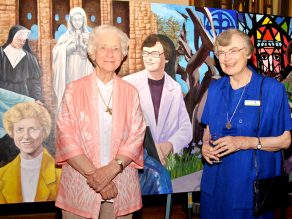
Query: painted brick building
[(140, 22)]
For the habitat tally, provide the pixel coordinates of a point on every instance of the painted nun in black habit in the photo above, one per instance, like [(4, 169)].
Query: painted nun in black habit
[(19, 69)]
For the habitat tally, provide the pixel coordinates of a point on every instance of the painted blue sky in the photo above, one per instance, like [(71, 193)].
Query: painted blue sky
[(222, 19)]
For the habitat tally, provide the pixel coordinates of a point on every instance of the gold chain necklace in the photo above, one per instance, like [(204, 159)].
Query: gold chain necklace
[(108, 109)]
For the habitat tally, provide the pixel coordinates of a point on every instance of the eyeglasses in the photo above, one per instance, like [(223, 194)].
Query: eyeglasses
[(153, 54), (231, 53)]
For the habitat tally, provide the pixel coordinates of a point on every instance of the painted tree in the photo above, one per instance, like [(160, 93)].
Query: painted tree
[(169, 27)]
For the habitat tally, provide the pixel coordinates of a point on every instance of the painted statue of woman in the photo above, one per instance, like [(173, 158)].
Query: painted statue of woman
[(70, 61)]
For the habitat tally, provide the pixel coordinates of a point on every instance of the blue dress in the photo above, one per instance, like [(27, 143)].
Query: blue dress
[(226, 188)]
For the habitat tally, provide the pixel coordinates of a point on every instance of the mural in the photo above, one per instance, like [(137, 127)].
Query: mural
[(32, 175), (271, 36), (20, 72), (164, 111), (70, 60), (192, 30), (287, 82), (20, 80), (189, 30), (8, 150)]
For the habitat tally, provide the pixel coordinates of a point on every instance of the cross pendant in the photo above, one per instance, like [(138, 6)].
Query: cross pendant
[(108, 110), (228, 125)]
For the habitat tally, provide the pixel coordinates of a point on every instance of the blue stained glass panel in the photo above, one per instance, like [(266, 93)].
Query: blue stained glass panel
[(57, 17), (119, 20), (92, 18), (29, 16)]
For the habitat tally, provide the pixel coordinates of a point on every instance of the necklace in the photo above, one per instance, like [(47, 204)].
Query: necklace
[(228, 123), (108, 109)]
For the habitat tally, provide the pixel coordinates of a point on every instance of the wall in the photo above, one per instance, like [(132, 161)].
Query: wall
[(7, 18), (142, 23), (178, 2)]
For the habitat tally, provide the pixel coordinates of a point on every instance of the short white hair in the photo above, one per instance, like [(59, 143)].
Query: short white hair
[(91, 46)]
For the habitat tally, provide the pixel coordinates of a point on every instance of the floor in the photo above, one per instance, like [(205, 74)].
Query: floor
[(154, 207)]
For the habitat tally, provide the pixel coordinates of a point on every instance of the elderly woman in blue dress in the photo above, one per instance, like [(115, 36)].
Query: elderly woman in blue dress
[(231, 113)]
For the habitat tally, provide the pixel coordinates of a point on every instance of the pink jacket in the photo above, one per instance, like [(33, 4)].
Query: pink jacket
[(77, 133)]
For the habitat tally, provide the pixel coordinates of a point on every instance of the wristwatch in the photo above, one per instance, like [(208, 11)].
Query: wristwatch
[(259, 145), (121, 163)]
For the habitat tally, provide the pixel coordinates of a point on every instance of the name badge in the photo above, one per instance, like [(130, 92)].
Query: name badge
[(252, 102)]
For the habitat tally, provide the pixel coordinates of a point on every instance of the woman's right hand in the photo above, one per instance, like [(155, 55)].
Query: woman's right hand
[(209, 153)]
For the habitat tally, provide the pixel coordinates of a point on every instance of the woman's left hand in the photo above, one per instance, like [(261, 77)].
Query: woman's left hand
[(109, 192), (102, 176), (229, 144)]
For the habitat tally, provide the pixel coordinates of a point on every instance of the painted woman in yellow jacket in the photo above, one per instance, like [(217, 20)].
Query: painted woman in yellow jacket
[(32, 175)]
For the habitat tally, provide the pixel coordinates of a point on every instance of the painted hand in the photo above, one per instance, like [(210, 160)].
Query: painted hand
[(163, 150)]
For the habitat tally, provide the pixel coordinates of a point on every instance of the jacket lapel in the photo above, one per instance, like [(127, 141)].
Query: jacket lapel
[(147, 104), (225, 93), (11, 182), (165, 103), (253, 86), (47, 177)]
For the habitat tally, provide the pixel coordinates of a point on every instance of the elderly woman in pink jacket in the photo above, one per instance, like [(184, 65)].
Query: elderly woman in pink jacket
[(100, 132)]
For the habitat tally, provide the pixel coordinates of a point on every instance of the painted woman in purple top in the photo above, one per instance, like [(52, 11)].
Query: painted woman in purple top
[(162, 101)]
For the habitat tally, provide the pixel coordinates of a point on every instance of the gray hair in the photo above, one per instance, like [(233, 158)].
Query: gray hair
[(224, 39), (96, 31)]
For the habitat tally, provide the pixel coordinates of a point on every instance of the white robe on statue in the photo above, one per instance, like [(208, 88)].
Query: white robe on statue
[(70, 62)]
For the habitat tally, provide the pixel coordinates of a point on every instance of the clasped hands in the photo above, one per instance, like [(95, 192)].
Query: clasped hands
[(81, 40), (100, 180), (222, 147)]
